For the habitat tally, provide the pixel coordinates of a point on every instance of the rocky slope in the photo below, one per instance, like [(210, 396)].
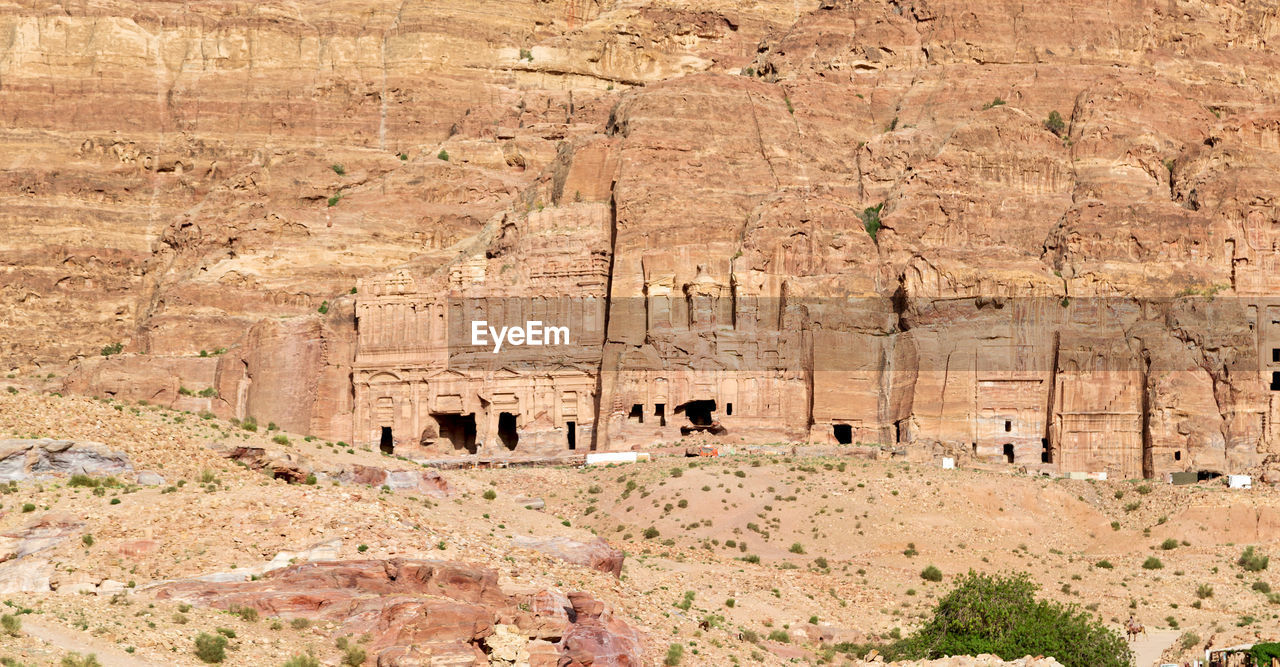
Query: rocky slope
[(759, 557)]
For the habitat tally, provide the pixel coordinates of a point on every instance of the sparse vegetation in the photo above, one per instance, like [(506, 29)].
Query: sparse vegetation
[(1252, 561), (113, 348), (1055, 124), (931, 573), (211, 649), (675, 653), (1000, 615), (871, 219), (1152, 563)]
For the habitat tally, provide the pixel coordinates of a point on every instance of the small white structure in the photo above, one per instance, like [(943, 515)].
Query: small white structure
[(1240, 481), (605, 458), (948, 463)]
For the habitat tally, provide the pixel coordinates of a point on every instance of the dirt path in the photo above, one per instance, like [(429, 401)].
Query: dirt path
[(1146, 652), (81, 642)]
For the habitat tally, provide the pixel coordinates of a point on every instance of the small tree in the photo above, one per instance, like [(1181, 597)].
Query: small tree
[(1000, 615), (1055, 124)]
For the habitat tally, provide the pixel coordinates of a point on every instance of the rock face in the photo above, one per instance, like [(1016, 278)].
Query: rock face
[(435, 612), (22, 569), (596, 554), (939, 225), (293, 468), (31, 459), (428, 482)]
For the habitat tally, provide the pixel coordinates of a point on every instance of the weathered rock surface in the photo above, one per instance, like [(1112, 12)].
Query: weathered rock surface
[(419, 611), (848, 221), (596, 554), (428, 482), (22, 569), (291, 467), (31, 459)]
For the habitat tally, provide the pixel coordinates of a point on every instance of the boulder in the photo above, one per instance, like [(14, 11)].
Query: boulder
[(427, 482), (22, 569), (596, 554), (22, 459), (292, 468), (422, 612), (148, 478)]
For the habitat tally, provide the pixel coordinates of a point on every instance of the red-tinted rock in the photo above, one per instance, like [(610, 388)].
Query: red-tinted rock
[(420, 612), (596, 554), (598, 639)]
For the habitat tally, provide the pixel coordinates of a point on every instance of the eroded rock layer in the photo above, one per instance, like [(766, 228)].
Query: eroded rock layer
[(987, 229)]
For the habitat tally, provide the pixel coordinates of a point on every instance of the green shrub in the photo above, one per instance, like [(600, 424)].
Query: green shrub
[(281, 439), (931, 573), (302, 661), (114, 348), (443, 155), (1104, 564), (28, 507), (11, 624), (324, 307), (1152, 563), (675, 653), (1252, 561), (780, 636), (1055, 124), (79, 480), (490, 494), (248, 614), (1262, 587), (77, 660), (871, 219), (353, 656), (993, 103), (797, 548), (339, 169), (249, 424), (650, 533), (87, 540), (1204, 591), (334, 199), (1169, 544), (211, 648), (1000, 615)]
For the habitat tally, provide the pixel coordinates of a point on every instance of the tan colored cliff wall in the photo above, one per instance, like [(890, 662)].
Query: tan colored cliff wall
[(171, 170)]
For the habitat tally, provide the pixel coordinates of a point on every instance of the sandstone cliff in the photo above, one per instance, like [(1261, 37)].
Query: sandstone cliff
[(1043, 233)]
